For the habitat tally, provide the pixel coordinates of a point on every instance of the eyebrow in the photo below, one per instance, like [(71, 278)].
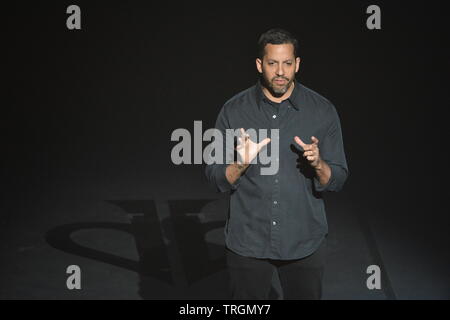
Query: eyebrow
[(273, 60)]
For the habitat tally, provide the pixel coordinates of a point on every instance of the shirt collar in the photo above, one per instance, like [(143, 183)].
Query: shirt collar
[(294, 98)]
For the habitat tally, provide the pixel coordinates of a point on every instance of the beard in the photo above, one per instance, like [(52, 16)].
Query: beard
[(277, 90)]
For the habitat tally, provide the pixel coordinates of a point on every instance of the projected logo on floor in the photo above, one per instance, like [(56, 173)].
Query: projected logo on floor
[(180, 246)]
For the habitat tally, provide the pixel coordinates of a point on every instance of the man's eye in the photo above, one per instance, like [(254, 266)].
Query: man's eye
[(289, 63), (271, 63)]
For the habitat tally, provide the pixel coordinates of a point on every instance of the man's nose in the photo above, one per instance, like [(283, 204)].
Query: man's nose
[(280, 71)]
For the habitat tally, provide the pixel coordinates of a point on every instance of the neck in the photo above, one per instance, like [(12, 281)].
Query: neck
[(277, 99)]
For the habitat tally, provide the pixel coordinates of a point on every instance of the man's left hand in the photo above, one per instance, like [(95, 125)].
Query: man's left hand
[(311, 151)]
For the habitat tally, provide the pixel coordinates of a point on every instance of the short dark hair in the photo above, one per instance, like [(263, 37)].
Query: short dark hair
[(276, 36)]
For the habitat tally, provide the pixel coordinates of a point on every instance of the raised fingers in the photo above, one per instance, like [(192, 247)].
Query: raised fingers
[(263, 143), (299, 142)]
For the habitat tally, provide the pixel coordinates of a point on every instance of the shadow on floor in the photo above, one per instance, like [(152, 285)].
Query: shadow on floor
[(180, 243)]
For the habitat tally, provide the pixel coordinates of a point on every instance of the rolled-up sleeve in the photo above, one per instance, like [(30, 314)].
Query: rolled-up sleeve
[(332, 152), (216, 172)]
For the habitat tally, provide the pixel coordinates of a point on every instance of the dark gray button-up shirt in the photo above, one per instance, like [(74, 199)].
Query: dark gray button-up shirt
[(281, 216)]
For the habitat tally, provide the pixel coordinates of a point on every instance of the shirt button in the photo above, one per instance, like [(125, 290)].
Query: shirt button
[(274, 223), (274, 116), (275, 202), (276, 180)]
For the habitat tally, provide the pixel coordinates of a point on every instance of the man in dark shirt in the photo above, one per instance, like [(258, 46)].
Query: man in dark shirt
[(277, 221)]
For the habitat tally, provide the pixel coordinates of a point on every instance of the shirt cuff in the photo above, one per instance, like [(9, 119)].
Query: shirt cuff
[(222, 182), (320, 187)]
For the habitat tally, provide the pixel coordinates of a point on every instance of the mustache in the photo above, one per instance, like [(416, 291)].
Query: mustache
[(280, 78)]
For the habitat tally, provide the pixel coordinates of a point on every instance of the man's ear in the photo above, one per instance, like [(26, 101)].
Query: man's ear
[(297, 64), (259, 65)]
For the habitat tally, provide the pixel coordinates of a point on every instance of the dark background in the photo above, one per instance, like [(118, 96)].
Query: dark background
[(87, 117)]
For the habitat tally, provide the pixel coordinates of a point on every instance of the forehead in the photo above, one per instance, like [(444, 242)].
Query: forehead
[(279, 51)]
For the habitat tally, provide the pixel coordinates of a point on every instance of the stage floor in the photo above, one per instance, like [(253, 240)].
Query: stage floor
[(141, 238)]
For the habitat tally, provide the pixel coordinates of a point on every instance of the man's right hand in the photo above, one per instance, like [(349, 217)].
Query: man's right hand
[(247, 149)]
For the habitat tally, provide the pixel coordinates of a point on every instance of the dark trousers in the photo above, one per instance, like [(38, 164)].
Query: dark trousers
[(251, 278)]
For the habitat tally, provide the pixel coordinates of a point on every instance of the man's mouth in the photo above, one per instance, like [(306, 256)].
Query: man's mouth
[(280, 81)]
